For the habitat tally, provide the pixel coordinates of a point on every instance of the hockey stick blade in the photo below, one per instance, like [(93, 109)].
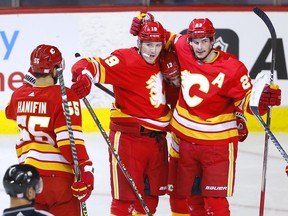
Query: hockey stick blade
[(254, 109), (260, 13), (266, 20), (262, 79)]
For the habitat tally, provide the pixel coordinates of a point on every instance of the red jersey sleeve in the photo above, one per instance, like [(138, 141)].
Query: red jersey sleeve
[(62, 133)]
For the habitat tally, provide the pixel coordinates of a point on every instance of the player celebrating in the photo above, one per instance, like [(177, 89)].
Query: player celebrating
[(170, 69), (214, 85), (139, 117), (44, 141)]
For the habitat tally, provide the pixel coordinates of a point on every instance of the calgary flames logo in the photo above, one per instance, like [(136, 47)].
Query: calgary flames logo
[(157, 97)]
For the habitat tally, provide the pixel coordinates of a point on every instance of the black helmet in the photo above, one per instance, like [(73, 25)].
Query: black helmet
[(19, 177)]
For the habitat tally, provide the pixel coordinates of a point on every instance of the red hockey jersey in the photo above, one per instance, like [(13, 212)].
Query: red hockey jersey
[(44, 141), (139, 88), (209, 96)]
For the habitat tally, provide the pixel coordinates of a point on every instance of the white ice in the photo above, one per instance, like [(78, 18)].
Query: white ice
[(246, 199)]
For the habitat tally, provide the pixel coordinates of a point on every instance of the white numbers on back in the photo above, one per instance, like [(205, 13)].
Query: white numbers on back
[(33, 127)]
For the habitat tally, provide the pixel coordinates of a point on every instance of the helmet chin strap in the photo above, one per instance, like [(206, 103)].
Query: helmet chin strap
[(55, 78)]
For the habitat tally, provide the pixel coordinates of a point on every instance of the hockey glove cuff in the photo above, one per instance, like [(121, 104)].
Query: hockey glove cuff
[(242, 127), (82, 189), (138, 21)]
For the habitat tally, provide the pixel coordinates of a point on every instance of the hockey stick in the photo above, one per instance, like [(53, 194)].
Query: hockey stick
[(103, 88), (260, 81), (115, 154), (117, 157), (30, 79), (255, 110), (272, 137), (70, 133)]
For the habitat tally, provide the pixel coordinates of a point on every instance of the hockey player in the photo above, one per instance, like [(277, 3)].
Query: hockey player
[(22, 182), (44, 141), (170, 69), (139, 117), (214, 85)]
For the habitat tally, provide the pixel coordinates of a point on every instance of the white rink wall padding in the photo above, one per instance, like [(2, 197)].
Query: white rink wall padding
[(93, 33)]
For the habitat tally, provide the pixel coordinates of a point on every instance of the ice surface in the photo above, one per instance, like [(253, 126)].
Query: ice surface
[(245, 201)]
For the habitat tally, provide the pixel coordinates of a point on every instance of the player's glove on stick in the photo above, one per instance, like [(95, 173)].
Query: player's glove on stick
[(242, 127), (137, 22), (271, 96), (82, 78), (82, 189)]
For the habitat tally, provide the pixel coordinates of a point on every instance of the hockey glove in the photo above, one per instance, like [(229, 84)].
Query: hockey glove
[(270, 96), (242, 127), (137, 22), (82, 189), (82, 78)]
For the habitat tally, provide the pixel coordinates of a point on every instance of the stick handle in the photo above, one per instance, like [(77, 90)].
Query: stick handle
[(70, 132)]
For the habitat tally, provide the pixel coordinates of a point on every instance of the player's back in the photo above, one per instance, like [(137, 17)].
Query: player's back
[(35, 109), (40, 118)]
